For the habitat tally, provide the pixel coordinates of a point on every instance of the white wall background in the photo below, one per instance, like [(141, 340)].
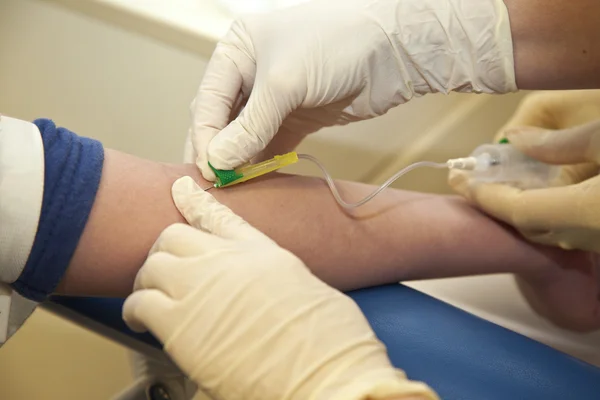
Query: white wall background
[(130, 92)]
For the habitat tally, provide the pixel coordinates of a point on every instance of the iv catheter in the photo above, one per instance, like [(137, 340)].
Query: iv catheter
[(385, 185), (487, 163)]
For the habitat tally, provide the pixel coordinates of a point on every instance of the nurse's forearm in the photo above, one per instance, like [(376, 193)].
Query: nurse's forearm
[(399, 236), (556, 43)]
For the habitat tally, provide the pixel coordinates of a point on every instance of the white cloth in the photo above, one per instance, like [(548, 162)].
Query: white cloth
[(21, 192)]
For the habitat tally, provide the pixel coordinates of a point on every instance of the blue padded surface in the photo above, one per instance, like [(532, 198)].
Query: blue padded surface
[(107, 311), (461, 356), (464, 357)]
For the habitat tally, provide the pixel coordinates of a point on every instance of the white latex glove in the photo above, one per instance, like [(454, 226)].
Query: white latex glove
[(566, 215), (246, 319), (330, 62), (554, 127)]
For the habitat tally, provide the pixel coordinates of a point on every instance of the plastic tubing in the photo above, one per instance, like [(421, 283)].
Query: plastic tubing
[(385, 185)]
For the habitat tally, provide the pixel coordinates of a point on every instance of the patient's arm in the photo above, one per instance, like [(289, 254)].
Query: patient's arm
[(398, 236)]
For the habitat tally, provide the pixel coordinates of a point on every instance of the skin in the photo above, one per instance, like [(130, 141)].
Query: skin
[(555, 43), (399, 236)]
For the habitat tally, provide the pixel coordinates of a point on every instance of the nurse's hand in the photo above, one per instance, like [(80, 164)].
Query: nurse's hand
[(331, 62), (546, 127), (246, 319), (559, 130)]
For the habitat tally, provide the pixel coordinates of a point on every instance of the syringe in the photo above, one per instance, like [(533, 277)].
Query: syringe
[(504, 163), (487, 163)]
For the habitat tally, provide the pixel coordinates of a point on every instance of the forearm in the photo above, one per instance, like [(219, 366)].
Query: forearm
[(556, 43), (399, 236)]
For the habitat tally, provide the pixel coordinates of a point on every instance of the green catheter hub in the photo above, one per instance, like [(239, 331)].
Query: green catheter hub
[(250, 171)]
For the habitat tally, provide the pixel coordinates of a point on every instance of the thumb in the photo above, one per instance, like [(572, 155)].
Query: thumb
[(566, 146), (202, 211), (254, 128), (147, 310)]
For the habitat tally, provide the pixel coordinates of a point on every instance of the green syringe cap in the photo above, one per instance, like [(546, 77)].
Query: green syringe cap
[(503, 141)]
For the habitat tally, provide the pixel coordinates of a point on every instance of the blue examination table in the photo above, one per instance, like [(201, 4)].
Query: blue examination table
[(461, 356)]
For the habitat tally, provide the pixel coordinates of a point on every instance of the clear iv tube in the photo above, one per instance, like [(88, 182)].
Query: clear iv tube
[(386, 184)]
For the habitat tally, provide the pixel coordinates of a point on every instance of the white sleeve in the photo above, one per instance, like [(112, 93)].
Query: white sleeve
[(21, 193)]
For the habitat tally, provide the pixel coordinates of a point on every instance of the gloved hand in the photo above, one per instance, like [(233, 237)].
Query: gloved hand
[(330, 62), (552, 126), (245, 319), (566, 215)]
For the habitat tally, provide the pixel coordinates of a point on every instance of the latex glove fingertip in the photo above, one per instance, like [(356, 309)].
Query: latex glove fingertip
[(186, 193), (130, 308), (194, 203), (234, 146), (459, 182), (185, 186), (205, 170), (202, 211), (149, 309)]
